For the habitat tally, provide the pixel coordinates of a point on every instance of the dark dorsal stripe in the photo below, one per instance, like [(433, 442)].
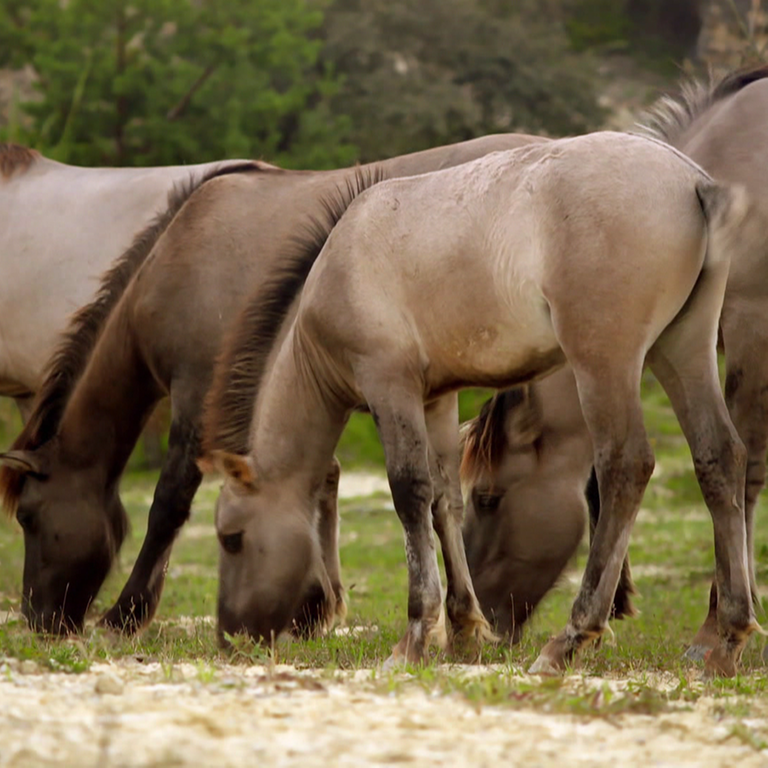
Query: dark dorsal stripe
[(77, 343), (14, 157), (670, 117), (246, 349)]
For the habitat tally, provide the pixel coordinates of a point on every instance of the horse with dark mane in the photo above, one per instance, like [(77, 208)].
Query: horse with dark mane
[(155, 329), (723, 127), (489, 274)]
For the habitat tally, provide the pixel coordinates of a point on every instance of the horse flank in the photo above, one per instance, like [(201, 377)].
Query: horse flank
[(247, 346), (74, 349), (671, 116), (14, 157)]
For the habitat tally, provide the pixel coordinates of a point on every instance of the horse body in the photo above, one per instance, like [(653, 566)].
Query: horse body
[(723, 128), (191, 277), (62, 227), (487, 275)]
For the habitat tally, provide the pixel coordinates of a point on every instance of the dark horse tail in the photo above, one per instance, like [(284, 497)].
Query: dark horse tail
[(247, 347), (78, 341)]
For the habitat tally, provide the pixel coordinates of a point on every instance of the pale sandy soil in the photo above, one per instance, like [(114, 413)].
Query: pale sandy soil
[(133, 714)]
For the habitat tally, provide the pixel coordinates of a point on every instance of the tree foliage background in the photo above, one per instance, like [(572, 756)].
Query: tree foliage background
[(313, 83)]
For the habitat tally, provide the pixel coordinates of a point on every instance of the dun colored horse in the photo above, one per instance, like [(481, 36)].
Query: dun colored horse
[(153, 330), (601, 251), (723, 127), (61, 226)]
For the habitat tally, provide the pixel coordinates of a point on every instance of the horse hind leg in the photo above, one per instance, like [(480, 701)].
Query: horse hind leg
[(470, 628), (684, 360), (622, 607), (609, 392)]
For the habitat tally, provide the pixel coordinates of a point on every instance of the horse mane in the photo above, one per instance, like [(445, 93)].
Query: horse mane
[(670, 116), (73, 351), (485, 439), (246, 348), (15, 157)]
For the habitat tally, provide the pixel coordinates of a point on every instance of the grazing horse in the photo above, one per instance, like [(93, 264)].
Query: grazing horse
[(154, 330), (61, 226), (600, 251), (723, 127)]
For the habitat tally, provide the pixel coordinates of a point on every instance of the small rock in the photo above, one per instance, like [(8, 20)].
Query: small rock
[(28, 667), (107, 682)]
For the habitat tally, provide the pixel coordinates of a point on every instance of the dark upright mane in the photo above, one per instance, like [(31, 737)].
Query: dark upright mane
[(14, 157), (78, 341), (670, 116), (247, 346), (485, 438)]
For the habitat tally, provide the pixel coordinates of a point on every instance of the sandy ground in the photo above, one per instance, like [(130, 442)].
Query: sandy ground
[(134, 714)]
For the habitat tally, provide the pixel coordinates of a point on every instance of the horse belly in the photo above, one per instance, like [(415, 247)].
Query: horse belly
[(508, 343)]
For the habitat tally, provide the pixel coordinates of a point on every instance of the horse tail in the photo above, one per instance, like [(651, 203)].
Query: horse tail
[(725, 208)]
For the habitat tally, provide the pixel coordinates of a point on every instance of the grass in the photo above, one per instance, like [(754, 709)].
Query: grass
[(672, 556)]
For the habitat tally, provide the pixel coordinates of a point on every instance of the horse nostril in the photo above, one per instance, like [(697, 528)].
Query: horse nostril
[(232, 542)]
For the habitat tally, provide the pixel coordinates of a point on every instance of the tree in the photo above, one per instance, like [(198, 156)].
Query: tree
[(170, 81), (417, 74)]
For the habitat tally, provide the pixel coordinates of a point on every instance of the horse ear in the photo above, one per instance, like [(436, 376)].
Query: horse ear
[(233, 465), (24, 462)]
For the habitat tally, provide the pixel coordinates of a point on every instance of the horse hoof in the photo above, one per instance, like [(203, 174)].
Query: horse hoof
[(544, 667), (719, 664), (696, 652), (393, 664)]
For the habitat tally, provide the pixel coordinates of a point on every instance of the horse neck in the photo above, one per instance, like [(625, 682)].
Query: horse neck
[(296, 424), (110, 403)]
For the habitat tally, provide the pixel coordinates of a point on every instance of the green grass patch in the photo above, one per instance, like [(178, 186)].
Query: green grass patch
[(671, 551)]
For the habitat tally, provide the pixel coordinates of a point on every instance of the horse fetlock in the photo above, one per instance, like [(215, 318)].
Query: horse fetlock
[(130, 613)]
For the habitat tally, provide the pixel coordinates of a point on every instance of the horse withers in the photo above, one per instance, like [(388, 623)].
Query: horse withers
[(600, 251)]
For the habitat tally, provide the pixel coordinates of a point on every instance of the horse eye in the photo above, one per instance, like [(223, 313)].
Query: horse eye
[(486, 503), (232, 542), (26, 520)]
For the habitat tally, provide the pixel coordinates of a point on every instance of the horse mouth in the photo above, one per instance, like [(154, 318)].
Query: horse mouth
[(61, 620)]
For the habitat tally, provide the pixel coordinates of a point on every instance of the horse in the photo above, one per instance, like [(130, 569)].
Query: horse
[(62, 226), (721, 125), (155, 329), (602, 251)]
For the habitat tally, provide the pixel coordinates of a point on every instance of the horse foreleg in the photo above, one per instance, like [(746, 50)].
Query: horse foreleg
[(622, 601), (179, 480), (470, 627), (399, 417), (318, 614)]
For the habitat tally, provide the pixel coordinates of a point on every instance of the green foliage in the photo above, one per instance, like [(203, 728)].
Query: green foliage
[(436, 71), (171, 81)]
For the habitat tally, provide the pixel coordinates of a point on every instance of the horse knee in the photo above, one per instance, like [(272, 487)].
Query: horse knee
[(411, 493)]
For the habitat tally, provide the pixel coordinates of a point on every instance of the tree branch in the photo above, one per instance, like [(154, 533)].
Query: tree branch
[(182, 104)]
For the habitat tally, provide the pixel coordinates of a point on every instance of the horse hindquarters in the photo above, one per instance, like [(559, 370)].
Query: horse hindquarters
[(684, 359)]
